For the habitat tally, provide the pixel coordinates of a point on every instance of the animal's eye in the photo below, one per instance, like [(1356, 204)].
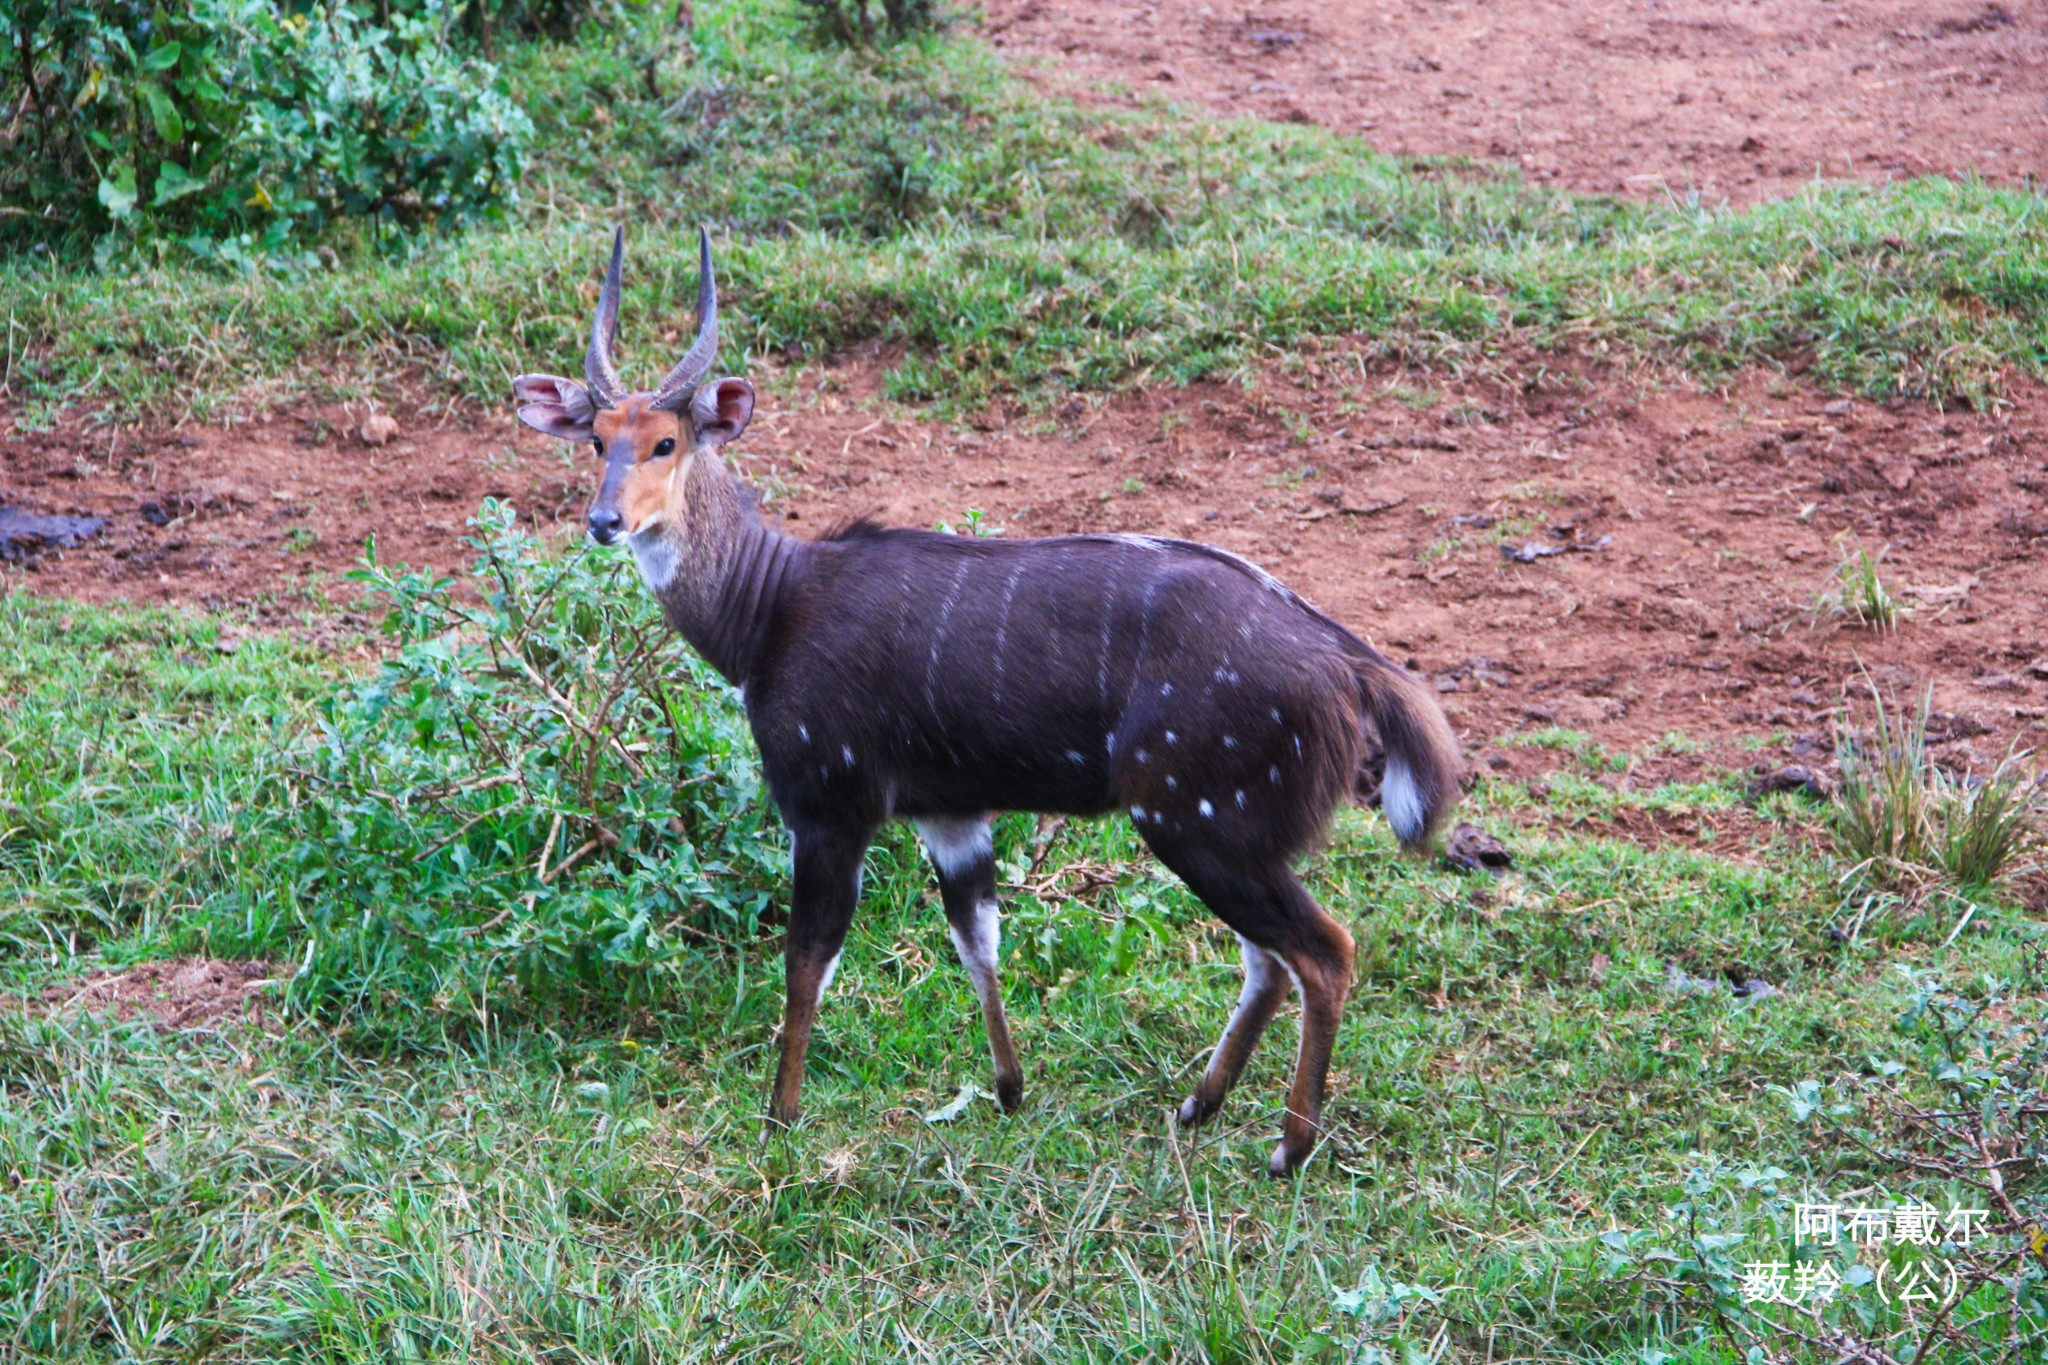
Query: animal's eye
[(664, 448), (597, 445)]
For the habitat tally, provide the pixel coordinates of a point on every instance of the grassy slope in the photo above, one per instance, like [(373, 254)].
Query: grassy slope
[(591, 1184), (922, 195)]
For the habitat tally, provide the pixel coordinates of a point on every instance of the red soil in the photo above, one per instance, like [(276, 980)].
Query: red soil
[(1700, 528), (1744, 101), (177, 993)]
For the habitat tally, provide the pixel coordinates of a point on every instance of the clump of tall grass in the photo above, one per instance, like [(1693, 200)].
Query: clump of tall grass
[(1907, 822), (1858, 592)]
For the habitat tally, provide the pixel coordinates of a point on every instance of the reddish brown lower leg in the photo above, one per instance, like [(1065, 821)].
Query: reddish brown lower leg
[(1265, 987), (825, 887)]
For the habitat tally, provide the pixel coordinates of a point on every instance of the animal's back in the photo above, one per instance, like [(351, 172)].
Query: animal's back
[(1077, 673)]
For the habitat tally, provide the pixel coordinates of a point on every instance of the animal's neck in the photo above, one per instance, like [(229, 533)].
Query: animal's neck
[(716, 570)]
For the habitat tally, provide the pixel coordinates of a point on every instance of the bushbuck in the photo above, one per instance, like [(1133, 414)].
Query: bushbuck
[(911, 675)]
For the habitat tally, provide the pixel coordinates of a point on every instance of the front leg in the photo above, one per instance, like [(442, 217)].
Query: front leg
[(964, 855), (825, 887)]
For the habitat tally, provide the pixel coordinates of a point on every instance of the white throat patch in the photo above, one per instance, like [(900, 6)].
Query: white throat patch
[(656, 556)]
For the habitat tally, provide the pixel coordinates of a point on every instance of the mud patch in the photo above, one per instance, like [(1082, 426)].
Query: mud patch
[(24, 536), (181, 993)]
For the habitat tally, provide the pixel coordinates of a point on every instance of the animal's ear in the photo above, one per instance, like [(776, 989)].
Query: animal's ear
[(721, 410), (558, 407)]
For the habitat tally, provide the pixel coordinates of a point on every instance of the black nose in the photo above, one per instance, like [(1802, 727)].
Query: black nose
[(605, 526)]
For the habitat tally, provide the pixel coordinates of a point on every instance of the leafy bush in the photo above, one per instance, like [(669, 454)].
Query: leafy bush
[(237, 127), (542, 801), (860, 22)]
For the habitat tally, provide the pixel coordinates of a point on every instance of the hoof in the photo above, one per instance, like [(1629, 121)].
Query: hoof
[(1286, 1160), (1010, 1093), (1195, 1111)]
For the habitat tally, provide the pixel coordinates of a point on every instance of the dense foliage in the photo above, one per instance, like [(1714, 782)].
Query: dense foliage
[(541, 801), (241, 127)]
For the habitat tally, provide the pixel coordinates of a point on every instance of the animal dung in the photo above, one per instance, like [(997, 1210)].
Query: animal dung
[(1472, 849)]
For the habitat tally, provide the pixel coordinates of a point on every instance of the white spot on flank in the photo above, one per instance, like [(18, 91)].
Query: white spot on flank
[(1137, 812), (1075, 756), (1230, 741), (1172, 738), (1275, 714), (1401, 800), (957, 844), (1206, 809), (1240, 799), (803, 732), (1166, 689), (846, 752), (1297, 746), (1273, 774), (1173, 784), (1112, 741), (1144, 757)]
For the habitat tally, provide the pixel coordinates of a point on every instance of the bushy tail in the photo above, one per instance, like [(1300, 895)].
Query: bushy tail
[(1423, 762)]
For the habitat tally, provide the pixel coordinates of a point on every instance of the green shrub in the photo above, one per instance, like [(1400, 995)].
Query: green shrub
[(859, 23), (544, 801), (235, 129)]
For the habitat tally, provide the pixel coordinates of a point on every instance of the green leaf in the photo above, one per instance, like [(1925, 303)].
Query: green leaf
[(163, 57), (174, 182), (118, 194), (162, 112)]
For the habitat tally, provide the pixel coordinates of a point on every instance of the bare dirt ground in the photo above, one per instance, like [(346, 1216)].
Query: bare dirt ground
[(177, 993), (1739, 99), (1697, 532)]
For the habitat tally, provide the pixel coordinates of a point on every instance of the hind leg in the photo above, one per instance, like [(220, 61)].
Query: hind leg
[(1258, 896), (965, 859), (1265, 986)]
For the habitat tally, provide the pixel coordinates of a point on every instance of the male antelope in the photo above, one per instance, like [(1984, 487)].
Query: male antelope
[(900, 674)]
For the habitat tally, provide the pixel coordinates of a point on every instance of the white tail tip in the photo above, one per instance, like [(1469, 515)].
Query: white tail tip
[(1401, 800)]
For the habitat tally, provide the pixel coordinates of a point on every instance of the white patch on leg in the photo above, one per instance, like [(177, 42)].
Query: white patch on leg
[(1259, 967), (831, 970), (1401, 800), (1258, 977), (957, 844), (980, 945)]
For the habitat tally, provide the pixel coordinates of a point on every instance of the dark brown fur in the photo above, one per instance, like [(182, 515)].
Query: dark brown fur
[(894, 674)]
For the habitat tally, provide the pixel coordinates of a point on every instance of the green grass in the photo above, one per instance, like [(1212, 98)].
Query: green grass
[(1539, 1148), (921, 195)]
